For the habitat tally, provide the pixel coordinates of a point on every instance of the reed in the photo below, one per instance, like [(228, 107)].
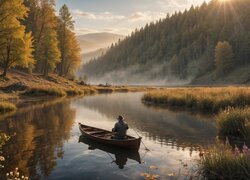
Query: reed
[(6, 107), (200, 99), (234, 122), (221, 162)]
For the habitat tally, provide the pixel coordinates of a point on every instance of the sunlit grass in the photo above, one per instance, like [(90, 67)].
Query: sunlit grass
[(201, 99), (6, 107)]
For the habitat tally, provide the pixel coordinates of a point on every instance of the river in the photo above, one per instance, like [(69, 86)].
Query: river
[(47, 143)]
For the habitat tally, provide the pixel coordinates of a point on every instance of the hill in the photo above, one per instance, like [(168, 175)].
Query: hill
[(180, 49), (95, 41), (86, 57)]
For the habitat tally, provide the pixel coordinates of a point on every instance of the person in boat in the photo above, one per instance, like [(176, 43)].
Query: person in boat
[(120, 129)]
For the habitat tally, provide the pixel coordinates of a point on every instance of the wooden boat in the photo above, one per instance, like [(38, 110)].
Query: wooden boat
[(104, 137), (120, 155)]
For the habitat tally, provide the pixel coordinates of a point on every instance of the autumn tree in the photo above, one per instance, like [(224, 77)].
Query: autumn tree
[(65, 26), (15, 44), (47, 53), (73, 56), (224, 57)]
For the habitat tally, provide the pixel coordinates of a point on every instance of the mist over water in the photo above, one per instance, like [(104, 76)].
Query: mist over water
[(135, 76)]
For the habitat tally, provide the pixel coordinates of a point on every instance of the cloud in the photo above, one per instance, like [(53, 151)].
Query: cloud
[(98, 16), (137, 16), (146, 16)]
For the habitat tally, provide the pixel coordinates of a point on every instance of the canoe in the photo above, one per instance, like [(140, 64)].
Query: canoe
[(120, 155), (104, 137)]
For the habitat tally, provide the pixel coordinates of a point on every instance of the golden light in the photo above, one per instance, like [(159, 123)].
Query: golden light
[(225, 0)]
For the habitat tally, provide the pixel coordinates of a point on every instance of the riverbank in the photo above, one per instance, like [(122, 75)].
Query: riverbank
[(229, 104), (204, 99), (20, 85)]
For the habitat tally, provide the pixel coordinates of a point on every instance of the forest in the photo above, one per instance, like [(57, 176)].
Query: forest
[(34, 39), (211, 41)]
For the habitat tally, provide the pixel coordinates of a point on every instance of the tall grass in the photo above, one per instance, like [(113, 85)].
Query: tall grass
[(45, 92), (6, 107), (234, 122), (221, 162), (201, 99)]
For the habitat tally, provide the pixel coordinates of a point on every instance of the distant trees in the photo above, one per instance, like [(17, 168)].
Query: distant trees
[(224, 57), (15, 44)]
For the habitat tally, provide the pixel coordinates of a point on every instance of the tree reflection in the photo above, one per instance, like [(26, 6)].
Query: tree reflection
[(40, 134)]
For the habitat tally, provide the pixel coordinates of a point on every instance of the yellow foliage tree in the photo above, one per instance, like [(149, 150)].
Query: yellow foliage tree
[(15, 44), (73, 56)]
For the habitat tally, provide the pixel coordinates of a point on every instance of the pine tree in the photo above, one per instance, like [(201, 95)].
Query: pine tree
[(224, 57), (15, 44), (65, 25), (175, 65)]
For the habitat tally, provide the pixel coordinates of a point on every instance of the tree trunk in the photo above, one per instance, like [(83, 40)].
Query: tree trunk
[(5, 70)]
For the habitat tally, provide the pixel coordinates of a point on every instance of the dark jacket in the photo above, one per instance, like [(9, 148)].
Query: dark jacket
[(120, 128)]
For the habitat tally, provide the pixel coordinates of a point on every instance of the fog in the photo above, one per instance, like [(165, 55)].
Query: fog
[(136, 76)]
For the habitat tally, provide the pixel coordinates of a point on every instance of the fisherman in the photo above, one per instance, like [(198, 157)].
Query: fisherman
[(120, 129)]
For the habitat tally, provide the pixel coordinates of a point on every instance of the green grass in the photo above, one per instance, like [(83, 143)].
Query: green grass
[(200, 99), (45, 92), (220, 162), (234, 122), (6, 107)]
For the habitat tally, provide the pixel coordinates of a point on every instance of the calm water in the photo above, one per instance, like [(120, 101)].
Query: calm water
[(48, 144)]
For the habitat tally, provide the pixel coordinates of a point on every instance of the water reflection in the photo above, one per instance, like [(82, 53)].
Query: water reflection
[(121, 156), (40, 134), (47, 134), (177, 129)]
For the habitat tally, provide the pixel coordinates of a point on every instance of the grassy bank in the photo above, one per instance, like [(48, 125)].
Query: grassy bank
[(234, 122), (20, 85), (6, 107), (201, 99), (221, 162)]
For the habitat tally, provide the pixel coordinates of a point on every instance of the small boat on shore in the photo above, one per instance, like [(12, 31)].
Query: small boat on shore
[(104, 137)]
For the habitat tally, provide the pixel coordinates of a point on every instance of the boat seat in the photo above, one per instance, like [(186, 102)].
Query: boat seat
[(97, 132)]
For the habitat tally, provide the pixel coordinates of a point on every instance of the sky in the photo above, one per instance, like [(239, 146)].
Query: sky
[(120, 16)]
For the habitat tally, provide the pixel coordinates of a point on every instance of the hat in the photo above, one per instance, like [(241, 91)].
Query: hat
[(120, 117)]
